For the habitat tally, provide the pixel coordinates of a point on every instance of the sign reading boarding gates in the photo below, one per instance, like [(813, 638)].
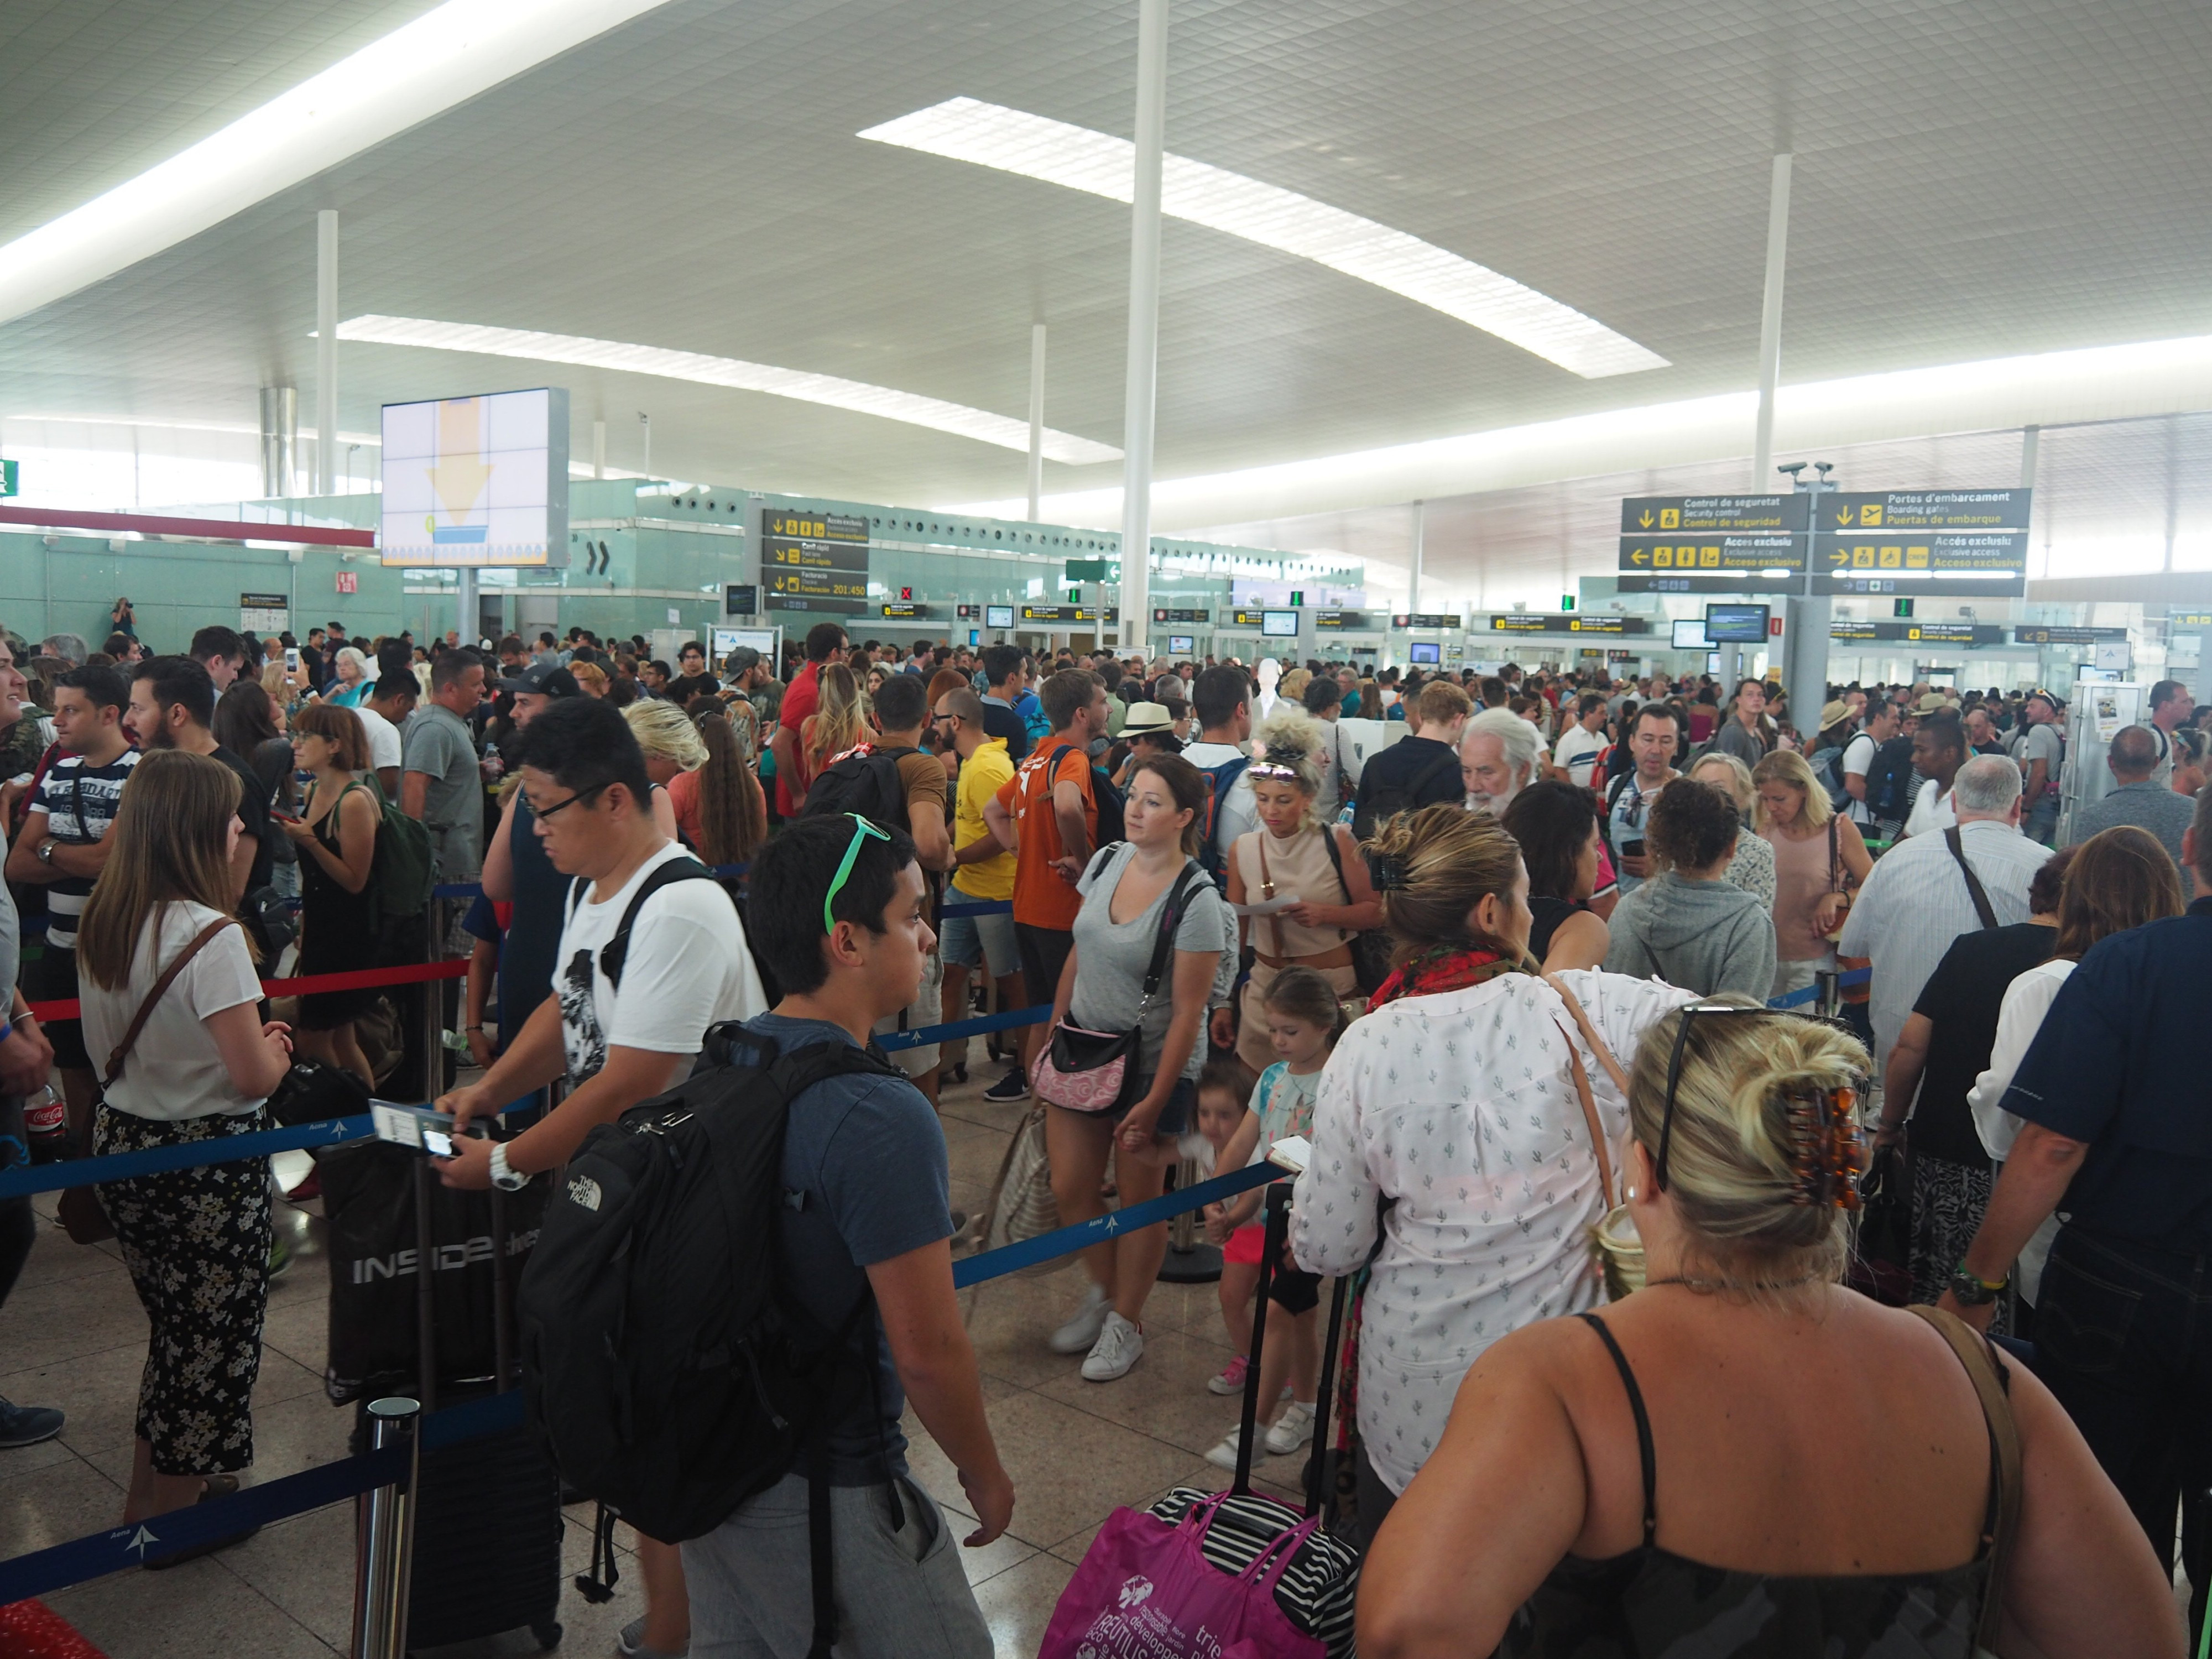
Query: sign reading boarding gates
[(477, 481), (1959, 543), (814, 561)]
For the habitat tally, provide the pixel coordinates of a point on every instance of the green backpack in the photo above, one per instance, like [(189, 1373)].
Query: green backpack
[(403, 870)]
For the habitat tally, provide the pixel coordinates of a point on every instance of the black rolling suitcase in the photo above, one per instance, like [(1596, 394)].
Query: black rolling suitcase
[(487, 1553), (1317, 1589)]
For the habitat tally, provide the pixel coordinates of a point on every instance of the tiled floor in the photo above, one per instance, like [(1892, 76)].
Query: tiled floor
[(72, 1335)]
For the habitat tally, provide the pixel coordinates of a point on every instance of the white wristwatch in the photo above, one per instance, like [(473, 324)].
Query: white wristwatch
[(507, 1180)]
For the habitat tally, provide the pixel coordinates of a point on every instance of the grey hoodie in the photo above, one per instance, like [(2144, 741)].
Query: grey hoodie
[(1705, 936)]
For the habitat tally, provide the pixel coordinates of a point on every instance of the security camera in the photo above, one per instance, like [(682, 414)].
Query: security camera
[(1791, 470)]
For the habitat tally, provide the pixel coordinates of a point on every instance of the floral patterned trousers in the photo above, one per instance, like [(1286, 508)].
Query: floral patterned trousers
[(197, 1245)]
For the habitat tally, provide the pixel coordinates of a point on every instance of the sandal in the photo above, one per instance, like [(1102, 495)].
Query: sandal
[(958, 1073)]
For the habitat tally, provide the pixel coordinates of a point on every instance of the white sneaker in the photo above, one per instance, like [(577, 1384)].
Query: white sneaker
[(1291, 1430), (1120, 1345), (1223, 1457), (1082, 1330)]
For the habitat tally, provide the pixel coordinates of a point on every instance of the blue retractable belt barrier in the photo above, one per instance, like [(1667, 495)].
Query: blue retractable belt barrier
[(965, 1028), (42, 1571), (1856, 976)]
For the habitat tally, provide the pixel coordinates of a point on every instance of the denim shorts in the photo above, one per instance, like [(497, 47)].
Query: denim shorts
[(965, 941)]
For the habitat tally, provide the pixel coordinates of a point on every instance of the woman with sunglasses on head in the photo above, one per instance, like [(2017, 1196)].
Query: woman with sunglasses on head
[(1128, 889), (1743, 1458), (1293, 854), (1468, 1095)]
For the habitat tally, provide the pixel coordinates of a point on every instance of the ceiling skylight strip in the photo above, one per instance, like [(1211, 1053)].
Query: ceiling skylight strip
[(1014, 141), (447, 56), (887, 402)]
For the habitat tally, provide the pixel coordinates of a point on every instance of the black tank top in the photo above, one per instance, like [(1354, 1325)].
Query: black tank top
[(1651, 1601)]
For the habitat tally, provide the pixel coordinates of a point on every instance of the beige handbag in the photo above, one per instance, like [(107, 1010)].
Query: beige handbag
[(1613, 1242), (1021, 1205)]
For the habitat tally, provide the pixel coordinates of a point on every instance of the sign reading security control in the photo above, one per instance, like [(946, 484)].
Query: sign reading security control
[(1668, 516)]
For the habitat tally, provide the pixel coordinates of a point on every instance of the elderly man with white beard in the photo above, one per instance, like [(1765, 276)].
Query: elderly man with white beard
[(1498, 757)]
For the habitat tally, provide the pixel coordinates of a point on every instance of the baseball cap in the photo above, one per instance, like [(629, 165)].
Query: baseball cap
[(543, 680), (742, 660)]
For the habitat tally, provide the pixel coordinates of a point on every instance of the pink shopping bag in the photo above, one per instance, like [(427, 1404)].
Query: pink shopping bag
[(1145, 1590)]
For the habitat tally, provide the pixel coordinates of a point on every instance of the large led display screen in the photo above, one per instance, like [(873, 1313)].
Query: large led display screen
[(477, 481)]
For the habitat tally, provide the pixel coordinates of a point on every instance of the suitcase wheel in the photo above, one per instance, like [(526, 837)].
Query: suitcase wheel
[(547, 1636)]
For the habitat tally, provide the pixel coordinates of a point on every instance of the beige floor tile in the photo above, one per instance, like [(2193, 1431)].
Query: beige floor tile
[(197, 1611), (1071, 1469), (1018, 1603), (1009, 1319), (51, 1504), (1164, 1396), (1002, 1554), (66, 1318), (303, 1567), (53, 1258)]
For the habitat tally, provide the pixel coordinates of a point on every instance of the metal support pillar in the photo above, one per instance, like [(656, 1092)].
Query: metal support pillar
[(280, 439), (599, 449), (384, 1537), (1420, 536), (1770, 326), (1037, 419), (646, 421), (1142, 387), (464, 596), (326, 352)]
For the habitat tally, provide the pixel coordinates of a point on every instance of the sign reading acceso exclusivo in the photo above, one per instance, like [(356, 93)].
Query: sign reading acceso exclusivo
[(477, 481)]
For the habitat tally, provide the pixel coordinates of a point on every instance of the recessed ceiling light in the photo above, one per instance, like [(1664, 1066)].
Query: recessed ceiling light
[(447, 55), (1004, 430), (1014, 141)]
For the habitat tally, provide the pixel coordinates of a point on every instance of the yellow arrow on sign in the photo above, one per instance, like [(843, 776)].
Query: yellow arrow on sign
[(1639, 557), (1844, 517), (1839, 556), (1646, 519), (460, 474)]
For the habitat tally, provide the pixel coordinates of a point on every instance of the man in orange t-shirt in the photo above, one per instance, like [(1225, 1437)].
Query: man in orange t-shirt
[(1048, 816)]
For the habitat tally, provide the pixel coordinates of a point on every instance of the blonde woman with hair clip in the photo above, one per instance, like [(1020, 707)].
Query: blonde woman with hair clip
[(1483, 1099), (1743, 1458), (673, 749), (1310, 869), (839, 723)]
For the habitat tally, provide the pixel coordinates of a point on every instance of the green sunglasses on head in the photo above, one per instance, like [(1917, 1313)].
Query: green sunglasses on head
[(862, 830)]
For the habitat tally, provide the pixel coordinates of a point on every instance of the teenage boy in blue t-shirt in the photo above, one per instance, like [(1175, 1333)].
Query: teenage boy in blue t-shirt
[(838, 909)]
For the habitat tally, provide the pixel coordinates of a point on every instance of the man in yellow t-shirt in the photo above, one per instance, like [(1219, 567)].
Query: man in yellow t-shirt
[(982, 871)]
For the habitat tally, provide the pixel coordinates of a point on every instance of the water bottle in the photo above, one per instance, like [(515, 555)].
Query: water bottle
[(45, 1126)]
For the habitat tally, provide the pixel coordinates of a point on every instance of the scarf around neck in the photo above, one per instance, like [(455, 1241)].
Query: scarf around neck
[(1441, 969)]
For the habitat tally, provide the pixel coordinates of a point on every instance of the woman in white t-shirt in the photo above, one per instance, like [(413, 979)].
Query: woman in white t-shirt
[(195, 1241)]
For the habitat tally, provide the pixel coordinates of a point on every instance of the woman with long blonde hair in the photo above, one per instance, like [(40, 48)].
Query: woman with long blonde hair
[(1820, 861), (672, 751), (839, 723), (195, 1241)]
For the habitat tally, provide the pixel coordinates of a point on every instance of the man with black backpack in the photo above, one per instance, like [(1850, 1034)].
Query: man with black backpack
[(1422, 768), (840, 906), (890, 782), (1223, 700)]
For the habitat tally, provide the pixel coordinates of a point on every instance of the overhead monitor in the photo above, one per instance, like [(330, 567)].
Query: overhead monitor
[(477, 481), (1181, 645), (1736, 625), (1690, 634), (1432, 651), (998, 616), (1278, 624)]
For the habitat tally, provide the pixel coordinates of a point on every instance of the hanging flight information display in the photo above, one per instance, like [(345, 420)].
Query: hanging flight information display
[(814, 562)]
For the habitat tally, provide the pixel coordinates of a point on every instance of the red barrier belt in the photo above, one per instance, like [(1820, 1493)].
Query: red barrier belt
[(361, 979)]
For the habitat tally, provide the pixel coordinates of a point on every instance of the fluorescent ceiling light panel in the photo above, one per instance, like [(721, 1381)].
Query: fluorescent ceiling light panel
[(1014, 141), (1004, 430), (446, 56)]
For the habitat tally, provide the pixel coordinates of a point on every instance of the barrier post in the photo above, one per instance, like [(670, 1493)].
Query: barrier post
[(1828, 999), (384, 1537), (1190, 1260), (432, 1010)]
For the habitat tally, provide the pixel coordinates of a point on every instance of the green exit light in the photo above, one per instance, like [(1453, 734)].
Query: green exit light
[(1566, 601), (11, 477), (1901, 608), (1297, 597)]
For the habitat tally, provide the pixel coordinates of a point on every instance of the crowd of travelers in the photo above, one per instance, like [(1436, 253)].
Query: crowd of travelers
[(1534, 950)]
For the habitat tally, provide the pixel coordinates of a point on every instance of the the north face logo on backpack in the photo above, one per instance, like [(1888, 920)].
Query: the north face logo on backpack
[(584, 1191)]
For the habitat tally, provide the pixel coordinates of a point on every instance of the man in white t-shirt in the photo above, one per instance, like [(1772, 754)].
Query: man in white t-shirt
[(382, 715), (1858, 757), (627, 1013), (1581, 745), (1939, 749)]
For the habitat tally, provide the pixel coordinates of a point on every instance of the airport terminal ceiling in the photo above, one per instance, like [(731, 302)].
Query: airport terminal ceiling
[(1972, 181)]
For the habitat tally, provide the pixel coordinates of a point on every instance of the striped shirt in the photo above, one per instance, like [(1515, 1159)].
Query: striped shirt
[(1916, 902), (79, 802)]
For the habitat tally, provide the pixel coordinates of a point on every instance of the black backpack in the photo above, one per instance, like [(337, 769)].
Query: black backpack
[(1102, 792), (1386, 799), (669, 1371), (1889, 782), (863, 780)]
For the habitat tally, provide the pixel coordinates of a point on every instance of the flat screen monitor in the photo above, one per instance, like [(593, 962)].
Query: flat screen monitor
[(1425, 651), (1181, 645), (1735, 624), (1690, 634), (998, 616), (1278, 624)]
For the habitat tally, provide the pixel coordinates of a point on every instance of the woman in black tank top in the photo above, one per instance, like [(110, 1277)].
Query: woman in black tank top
[(1743, 1460)]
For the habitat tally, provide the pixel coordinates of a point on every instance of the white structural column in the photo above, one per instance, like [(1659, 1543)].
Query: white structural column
[(1142, 387), (599, 449), (1037, 419), (1770, 324), (1420, 533), (326, 352)]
